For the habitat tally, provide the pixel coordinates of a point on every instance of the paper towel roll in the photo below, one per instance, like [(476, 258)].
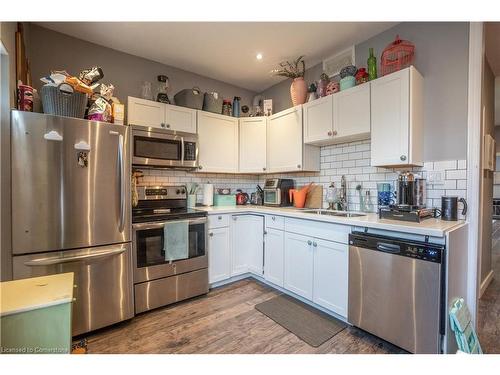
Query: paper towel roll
[(208, 195)]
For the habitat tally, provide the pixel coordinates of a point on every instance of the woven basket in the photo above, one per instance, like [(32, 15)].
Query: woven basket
[(62, 100), (190, 98), (396, 56)]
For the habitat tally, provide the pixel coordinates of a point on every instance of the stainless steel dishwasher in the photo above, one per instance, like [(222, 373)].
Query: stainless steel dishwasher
[(396, 290)]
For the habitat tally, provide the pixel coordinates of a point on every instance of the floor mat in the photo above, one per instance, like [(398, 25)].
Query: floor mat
[(305, 322)]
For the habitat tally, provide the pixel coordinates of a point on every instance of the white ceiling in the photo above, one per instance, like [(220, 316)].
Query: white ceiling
[(225, 51)]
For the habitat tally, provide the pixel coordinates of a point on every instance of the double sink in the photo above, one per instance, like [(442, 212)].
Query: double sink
[(332, 213)]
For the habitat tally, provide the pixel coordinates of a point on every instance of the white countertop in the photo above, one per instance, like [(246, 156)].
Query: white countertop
[(35, 293), (428, 227)]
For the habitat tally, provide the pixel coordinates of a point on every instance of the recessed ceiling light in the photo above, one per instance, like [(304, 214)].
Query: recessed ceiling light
[(259, 56)]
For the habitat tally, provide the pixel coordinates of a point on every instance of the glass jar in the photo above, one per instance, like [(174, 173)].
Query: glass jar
[(146, 92), (226, 107)]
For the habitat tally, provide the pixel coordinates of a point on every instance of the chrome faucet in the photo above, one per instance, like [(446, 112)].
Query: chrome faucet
[(343, 203)]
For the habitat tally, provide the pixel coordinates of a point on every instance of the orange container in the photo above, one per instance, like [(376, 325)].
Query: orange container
[(298, 197)]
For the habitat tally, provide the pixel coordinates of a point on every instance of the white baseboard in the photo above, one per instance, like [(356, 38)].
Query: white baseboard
[(486, 282)]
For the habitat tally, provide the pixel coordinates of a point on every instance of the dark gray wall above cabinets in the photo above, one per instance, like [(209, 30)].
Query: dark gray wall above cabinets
[(50, 50), (442, 57)]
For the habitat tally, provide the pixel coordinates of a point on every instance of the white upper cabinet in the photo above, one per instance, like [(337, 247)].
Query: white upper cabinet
[(351, 114), (338, 118), (159, 115), (286, 151), (218, 143), (318, 120), (397, 119), (253, 144), (145, 112), (181, 119)]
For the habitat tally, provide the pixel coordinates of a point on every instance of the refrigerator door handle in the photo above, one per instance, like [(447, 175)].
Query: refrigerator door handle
[(121, 171), (182, 150), (77, 258)]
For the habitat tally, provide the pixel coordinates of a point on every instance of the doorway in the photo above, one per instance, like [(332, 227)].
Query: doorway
[(488, 311)]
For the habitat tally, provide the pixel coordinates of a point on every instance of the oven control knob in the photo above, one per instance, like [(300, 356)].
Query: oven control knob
[(183, 191), (177, 192)]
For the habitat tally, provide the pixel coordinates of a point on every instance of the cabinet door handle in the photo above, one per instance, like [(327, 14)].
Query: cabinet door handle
[(200, 167), (265, 232), (403, 157), (235, 218), (219, 217), (273, 218), (211, 234), (162, 124), (263, 168), (168, 126), (309, 242), (334, 132), (298, 166), (315, 244), (330, 133)]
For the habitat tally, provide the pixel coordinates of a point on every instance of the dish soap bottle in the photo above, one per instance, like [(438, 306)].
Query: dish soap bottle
[(372, 66)]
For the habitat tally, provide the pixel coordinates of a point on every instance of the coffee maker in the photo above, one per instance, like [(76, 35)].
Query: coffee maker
[(411, 196)]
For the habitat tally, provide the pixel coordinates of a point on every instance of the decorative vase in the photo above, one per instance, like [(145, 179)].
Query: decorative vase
[(298, 91)]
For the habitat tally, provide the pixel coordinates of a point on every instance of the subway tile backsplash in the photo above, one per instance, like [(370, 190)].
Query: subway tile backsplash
[(349, 159)]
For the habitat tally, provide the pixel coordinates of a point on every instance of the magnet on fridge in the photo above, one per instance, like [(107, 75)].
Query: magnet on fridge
[(82, 146), (53, 135)]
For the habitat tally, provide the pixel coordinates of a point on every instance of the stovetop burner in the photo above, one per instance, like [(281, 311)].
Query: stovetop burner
[(405, 213), (144, 216), (162, 203)]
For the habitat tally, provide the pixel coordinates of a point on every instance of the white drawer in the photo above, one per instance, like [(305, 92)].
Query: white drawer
[(318, 229), (276, 222), (218, 221)]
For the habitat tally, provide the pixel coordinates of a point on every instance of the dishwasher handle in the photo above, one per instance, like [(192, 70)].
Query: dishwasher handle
[(388, 247)]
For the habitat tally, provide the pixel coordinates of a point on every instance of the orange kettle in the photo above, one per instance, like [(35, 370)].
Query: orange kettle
[(298, 197)]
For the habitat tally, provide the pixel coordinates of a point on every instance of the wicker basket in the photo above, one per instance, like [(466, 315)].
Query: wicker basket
[(62, 100), (396, 56)]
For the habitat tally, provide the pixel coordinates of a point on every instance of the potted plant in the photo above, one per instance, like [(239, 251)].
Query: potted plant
[(294, 70)]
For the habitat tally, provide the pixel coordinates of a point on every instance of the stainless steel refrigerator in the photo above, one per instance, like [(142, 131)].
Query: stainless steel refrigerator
[(71, 211)]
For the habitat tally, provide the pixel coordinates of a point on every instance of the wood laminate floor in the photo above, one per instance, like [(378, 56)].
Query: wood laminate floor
[(489, 304), (224, 321)]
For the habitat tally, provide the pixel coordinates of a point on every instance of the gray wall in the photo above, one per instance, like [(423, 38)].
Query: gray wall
[(50, 50), (442, 58), (488, 102)]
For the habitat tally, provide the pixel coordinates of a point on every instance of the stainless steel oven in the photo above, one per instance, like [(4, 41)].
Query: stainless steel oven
[(158, 281), (152, 147), (169, 248)]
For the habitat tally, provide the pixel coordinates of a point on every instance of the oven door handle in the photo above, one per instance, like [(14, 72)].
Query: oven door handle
[(77, 258), (147, 226)]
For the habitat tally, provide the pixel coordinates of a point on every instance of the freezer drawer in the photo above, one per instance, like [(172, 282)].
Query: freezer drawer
[(396, 298), (161, 292), (103, 280), (70, 187)]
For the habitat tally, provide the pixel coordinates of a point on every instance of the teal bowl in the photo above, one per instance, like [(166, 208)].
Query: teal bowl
[(347, 83)]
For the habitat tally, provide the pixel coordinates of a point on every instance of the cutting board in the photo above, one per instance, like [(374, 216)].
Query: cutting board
[(314, 197)]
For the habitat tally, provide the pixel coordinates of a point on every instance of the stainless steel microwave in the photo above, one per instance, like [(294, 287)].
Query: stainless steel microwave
[(152, 147)]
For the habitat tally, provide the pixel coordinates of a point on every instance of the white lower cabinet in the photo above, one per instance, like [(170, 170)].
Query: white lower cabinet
[(330, 275), (219, 254), (247, 233), (299, 265), (274, 250)]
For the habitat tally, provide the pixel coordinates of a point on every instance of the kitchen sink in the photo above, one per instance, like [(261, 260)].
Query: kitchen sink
[(334, 213)]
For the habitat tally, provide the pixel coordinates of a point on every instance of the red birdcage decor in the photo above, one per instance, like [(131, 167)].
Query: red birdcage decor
[(397, 55)]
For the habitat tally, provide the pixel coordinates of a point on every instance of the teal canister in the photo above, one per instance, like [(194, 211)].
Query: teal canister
[(347, 82)]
